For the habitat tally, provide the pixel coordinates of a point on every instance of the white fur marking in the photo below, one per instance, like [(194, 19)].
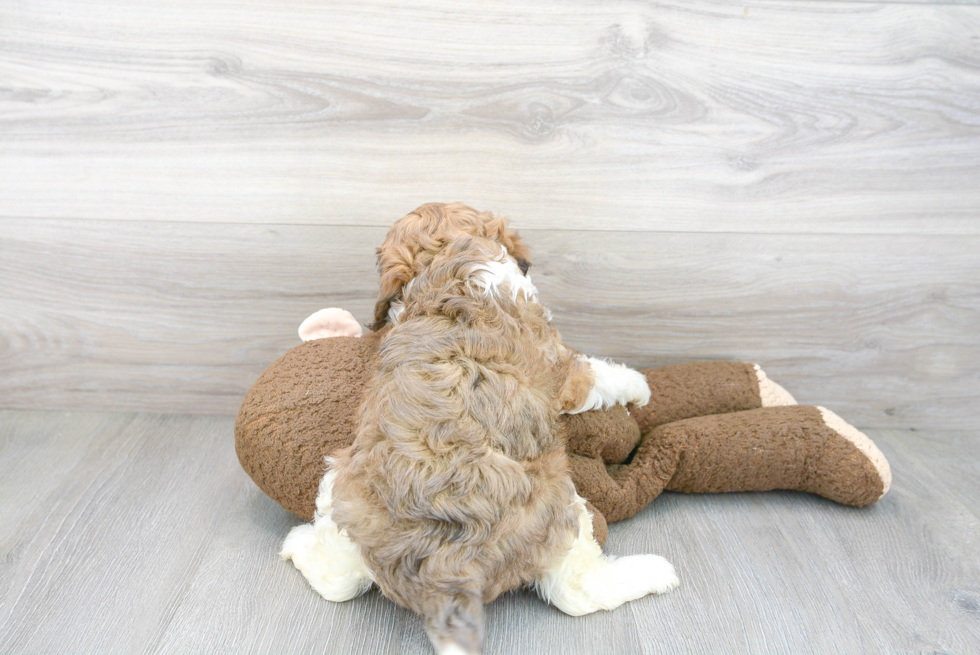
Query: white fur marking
[(614, 383), (772, 394), (395, 311), (585, 581), (328, 559), (863, 443), (397, 307), (504, 271)]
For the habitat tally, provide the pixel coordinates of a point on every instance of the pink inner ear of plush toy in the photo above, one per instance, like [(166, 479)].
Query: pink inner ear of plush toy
[(330, 322)]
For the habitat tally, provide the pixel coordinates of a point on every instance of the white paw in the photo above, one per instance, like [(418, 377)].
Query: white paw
[(651, 574), (328, 561), (300, 545), (585, 581), (627, 578), (615, 384), (635, 388)]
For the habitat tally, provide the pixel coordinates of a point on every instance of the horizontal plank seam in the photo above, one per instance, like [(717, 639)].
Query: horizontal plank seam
[(517, 225)]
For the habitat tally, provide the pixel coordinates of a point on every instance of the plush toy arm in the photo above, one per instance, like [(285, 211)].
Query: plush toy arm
[(610, 435), (684, 391), (619, 491)]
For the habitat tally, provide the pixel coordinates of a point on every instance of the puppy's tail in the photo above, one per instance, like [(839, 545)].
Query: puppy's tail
[(454, 622)]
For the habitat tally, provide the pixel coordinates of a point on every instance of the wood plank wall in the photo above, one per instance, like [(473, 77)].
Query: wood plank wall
[(795, 183)]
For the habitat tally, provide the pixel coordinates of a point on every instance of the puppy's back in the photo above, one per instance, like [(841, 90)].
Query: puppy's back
[(456, 488)]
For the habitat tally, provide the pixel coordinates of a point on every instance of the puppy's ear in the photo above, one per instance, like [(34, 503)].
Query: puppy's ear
[(395, 266)]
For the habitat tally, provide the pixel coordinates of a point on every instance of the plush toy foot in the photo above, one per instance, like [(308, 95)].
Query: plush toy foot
[(330, 322), (839, 473)]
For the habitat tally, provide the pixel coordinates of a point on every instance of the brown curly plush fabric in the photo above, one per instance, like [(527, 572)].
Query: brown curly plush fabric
[(753, 450), (300, 410), (608, 436), (779, 448), (703, 431)]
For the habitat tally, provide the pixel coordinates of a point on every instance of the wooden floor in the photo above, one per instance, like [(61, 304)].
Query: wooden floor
[(139, 533)]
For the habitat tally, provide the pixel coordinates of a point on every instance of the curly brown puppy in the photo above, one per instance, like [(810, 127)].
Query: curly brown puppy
[(456, 488)]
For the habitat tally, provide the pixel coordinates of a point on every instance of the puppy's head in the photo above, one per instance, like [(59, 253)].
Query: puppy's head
[(414, 240)]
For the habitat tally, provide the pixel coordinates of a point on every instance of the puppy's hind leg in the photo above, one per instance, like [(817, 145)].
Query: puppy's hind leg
[(325, 555), (584, 580)]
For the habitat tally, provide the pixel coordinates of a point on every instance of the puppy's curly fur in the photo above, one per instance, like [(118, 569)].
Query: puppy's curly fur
[(456, 488), (414, 240)]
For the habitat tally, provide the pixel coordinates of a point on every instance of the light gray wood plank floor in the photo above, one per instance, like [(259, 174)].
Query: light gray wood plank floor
[(138, 533)]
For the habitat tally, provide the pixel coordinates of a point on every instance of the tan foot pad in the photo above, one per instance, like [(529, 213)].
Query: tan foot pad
[(770, 393), (855, 438)]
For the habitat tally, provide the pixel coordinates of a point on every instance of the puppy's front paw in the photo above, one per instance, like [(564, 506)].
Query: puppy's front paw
[(615, 384), (635, 388)]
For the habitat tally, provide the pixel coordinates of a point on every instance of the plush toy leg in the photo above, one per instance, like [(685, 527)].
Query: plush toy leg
[(585, 581), (328, 559), (684, 391), (800, 448)]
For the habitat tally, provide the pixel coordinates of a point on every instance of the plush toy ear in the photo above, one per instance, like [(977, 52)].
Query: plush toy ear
[(330, 322), (395, 265)]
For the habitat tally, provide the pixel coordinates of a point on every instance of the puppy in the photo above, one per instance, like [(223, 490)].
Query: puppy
[(456, 488)]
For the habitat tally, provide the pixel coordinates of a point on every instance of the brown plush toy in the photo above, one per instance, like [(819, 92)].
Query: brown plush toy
[(709, 427)]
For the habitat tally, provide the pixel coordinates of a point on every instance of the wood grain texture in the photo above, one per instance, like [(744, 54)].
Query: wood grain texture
[(801, 116), (136, 533), (183, 317)]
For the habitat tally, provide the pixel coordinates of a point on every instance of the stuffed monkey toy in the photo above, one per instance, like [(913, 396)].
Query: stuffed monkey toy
[(709, 427)]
